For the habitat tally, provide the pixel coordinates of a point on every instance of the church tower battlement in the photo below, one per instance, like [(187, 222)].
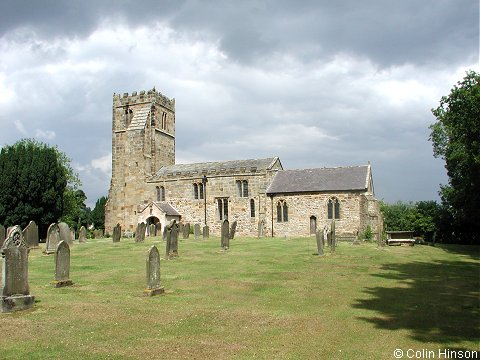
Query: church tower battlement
[(143, 140)]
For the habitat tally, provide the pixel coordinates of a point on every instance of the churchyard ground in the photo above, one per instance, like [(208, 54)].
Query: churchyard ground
[(263, 298)]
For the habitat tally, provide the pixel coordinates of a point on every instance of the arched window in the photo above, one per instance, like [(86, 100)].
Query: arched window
[(333, 209), (282, 211), (222, 209), (162, 193), (200, 191), (252, 208), (159, 196), (245, 188), (239, 188), (195, 191)]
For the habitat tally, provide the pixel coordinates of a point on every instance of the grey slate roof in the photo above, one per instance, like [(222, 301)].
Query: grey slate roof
[(140, 117), (321, 179), (220, 166), (167, 209)]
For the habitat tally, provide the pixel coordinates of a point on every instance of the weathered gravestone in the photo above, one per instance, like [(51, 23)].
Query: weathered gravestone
[(225, 236), (171, 246), (196, 231), (333, 240), (186, 231), (152, 230), (72, 234), (2, 235), (233, 229), (153, 273), (325, 235), (65, 233), (261, 229), (319, 237), (158, 228), (206, 232), (30, 234), (62, 265), (82, 235), (117, 233), (53, 239), (15, 291), (140, 232), (164, 234), (181, 228)]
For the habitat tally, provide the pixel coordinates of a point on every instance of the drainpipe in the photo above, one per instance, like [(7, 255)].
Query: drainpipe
[(271, 198)]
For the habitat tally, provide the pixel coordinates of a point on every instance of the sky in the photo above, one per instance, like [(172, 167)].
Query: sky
[(317, 83)]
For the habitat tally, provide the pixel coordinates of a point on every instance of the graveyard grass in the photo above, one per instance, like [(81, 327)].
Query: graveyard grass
[(264, 298)]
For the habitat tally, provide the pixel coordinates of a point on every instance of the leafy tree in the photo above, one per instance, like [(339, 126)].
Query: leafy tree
[(456, 139), (98, 213), (75, 212), (32, 184)]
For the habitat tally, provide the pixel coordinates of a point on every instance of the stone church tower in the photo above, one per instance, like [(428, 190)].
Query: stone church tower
[(143, 140)]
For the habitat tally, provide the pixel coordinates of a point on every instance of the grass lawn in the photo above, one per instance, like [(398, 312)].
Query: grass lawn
[(264, 298)]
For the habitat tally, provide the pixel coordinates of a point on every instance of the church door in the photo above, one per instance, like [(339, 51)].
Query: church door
[(313, 225)]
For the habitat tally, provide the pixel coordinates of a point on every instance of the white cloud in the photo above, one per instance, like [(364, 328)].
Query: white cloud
[(45, 134)]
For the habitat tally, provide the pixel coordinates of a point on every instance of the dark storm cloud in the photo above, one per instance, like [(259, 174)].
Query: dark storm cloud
[(386, 32)]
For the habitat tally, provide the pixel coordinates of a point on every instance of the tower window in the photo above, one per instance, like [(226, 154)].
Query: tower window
[(160, 193)]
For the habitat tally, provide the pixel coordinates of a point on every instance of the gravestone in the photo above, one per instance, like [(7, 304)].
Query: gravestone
[(233, 229), (15, 291), (319, 236), (164, 234), (225, 236), (53, 239), (196, 231), (153, 273), (181, 228), (72, 234), (2, 235), (65, 233), (186, 231), (152, 230), (158, 228), (261, 229), (333, 236), (82, 235), (117, 233), (62, 265), (174, 241), (206, 232), (97, 234), (140, 232), (30, 234)]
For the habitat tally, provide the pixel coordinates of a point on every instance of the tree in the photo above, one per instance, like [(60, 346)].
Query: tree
[(98, 213), (34, 179), (456, 139)]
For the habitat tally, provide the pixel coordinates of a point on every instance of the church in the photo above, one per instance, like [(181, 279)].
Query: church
[(263, 197)]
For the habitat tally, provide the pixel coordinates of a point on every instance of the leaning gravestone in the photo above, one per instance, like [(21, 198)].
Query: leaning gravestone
[(117, 233), (140, 233), (15, 291), (196, 231), (82, 235), (153, 273), (225, 236), (206, 232), (233, 229), (30, 234), (186, 231), (53, 239), (319, 236), (65, 233), (334, 241), (62, 265), (2, 235), (261, 229)]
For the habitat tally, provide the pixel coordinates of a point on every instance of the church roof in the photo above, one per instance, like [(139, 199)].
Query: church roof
[(140, 117), (167, 209), (320, 179), (233, 166)]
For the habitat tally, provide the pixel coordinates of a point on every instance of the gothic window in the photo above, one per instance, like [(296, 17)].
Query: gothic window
[(159, 196), (200, 191), (242, 188), (195, 191), (333, 209), (162, 193), (282, 211), (252, 208), (222, 209), (164, 120)]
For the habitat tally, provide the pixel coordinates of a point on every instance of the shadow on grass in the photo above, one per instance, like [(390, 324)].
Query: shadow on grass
[(437, 301)]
